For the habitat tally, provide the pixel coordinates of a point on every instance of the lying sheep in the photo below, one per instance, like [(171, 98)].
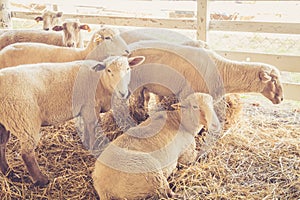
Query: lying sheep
[(50, 93), (71, 36), (105, 41), (137, 164), (50, 19), (180, 70)]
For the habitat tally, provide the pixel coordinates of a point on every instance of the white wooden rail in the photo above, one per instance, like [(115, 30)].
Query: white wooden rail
[(203, 26)]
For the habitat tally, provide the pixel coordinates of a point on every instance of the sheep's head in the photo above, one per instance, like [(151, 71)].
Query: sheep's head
[(273, 86), (116, 74), (107, 42), (50, 19), (71, 29), (197, 111)]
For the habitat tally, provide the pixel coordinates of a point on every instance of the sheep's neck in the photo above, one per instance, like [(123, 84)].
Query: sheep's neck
[(185, 124), (239, 77), (103, 96), (88, 49)]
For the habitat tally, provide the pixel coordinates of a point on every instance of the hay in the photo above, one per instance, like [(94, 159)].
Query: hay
[(257, 158)]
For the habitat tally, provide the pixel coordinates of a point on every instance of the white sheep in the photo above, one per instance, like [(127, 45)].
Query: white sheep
[(71, 36), (71, 32), (50, 19), (137, 35), (49, 93), (105, 41), (137, 164), (180, 70)]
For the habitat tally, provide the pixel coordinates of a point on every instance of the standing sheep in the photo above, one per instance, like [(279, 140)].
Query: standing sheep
[(137, 164), (71, 32), (179, 70), (50, 19), (50, 93), (71, 36), (105, 41)]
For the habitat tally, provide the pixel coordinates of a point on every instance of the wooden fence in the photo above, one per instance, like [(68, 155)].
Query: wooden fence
[(203, 25)]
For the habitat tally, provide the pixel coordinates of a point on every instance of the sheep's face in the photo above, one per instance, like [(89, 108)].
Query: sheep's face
[(116, 75), (50, 19), (197, 111), (109, 41), (273, 86), (71, 29)]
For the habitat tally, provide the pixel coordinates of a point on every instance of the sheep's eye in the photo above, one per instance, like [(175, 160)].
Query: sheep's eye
[(109, 71), (128, 69), (195, 107), (108, 38)]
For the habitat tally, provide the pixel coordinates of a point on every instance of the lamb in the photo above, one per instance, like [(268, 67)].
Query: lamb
[(50, 93), (71, 36), (105, 41), (180, 70), (50, 19), (137, 164)]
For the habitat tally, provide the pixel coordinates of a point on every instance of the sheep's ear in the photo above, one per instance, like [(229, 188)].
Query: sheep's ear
[(99, 67), (85, 27), (176, 106), (98, 38), (38, 19), (57, 28), (135, 61), (264, 76), (59, 14)]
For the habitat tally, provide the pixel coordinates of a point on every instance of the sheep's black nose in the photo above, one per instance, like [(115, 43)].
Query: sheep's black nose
[(46, 29), (127, 53)]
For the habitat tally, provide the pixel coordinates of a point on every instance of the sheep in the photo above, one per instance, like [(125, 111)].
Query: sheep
[(137, 35), (173, 66), (72, 35), (137, 164), (49, 93), (70, 38), (105, 41), (50, 19)]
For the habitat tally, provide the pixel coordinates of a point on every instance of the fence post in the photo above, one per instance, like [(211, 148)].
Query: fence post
[(201, 19), (5, 15)]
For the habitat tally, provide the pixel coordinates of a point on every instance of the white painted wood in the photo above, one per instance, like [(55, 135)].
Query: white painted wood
[(5, 16), (120, 20), (282, 62), (258, 27), (291, 91), (201, 19)]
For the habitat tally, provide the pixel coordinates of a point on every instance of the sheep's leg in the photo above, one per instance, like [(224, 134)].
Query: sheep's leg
[(4, 137), (189, 155), (90, 114), (38, 177), (165, 191), (89, 135), (137, 109)]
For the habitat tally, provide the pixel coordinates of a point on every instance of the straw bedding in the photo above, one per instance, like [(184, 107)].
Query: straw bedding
[(258, 157)]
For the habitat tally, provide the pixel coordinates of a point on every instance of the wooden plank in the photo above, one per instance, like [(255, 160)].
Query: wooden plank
[(291, 91), (120, 21), (201, 19), (282, 62), (250, 26), (5, 15)]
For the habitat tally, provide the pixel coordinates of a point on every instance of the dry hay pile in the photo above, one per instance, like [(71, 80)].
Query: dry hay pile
[(257, 158)]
